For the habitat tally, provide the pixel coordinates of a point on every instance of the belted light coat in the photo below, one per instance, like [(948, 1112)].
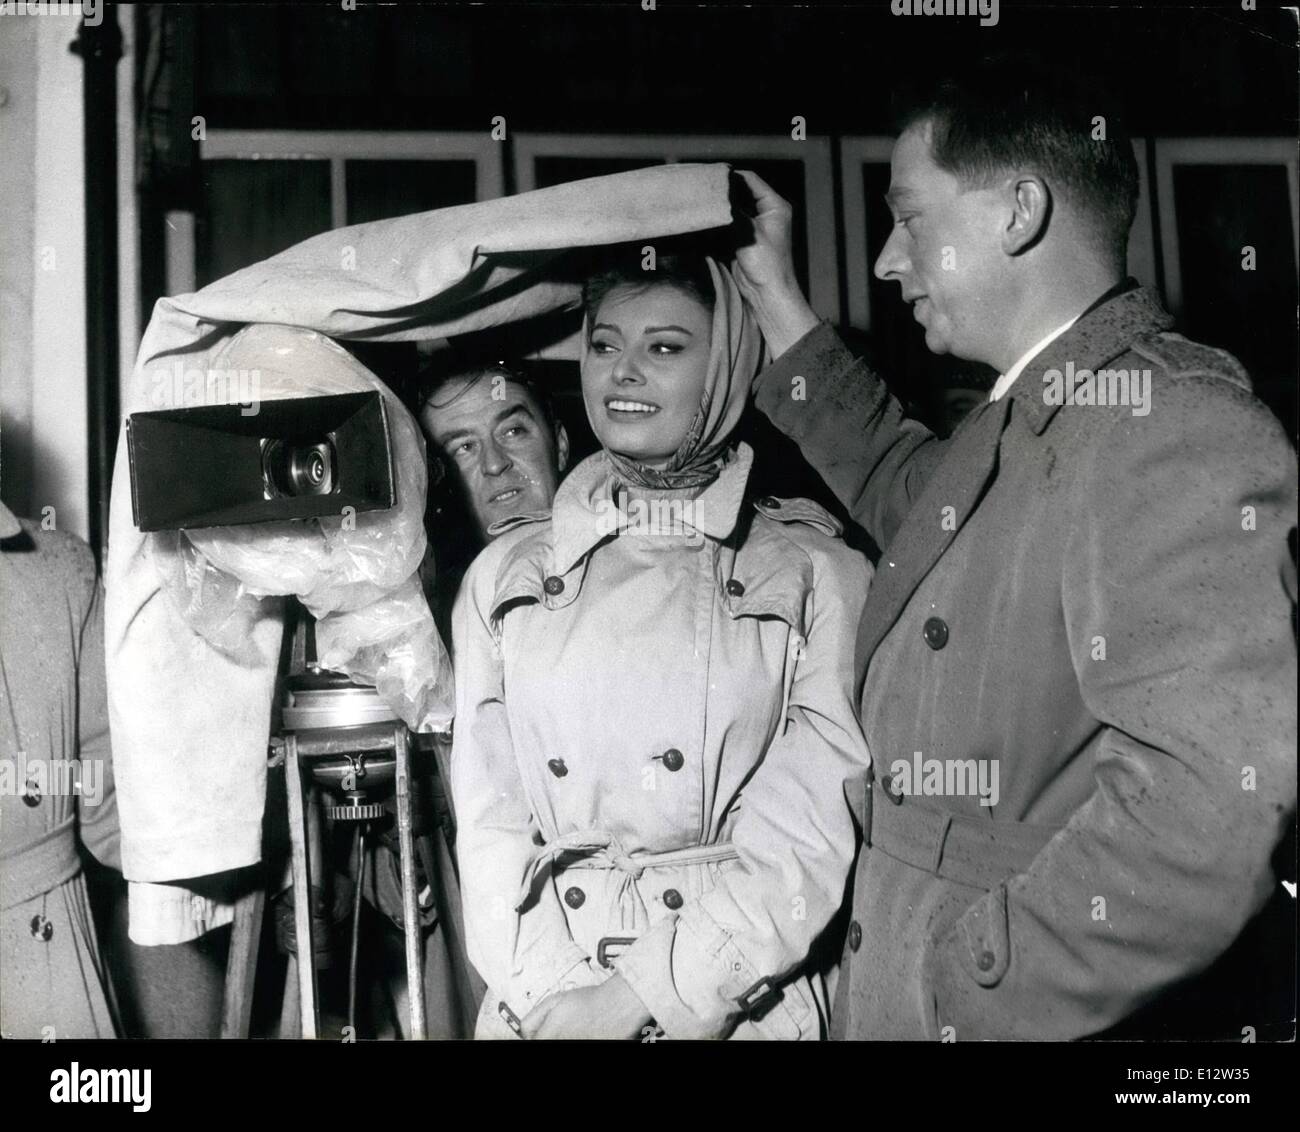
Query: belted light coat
[(653, 735)]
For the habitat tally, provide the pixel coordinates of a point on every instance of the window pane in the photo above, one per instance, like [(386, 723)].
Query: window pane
[(254, 209), (378, 190)]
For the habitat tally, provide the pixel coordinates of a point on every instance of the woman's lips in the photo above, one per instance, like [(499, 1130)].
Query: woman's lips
[(629, 409)]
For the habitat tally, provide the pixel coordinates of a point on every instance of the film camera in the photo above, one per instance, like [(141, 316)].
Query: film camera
[(299, 458), (346, 754)]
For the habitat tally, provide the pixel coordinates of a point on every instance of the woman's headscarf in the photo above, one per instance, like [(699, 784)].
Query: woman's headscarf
[(735, 353)]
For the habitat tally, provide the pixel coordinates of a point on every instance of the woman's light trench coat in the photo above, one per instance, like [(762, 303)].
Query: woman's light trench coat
[(653, 734)]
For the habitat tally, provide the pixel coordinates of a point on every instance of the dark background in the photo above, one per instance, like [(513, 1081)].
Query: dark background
[(1207, 71), (578, 68)]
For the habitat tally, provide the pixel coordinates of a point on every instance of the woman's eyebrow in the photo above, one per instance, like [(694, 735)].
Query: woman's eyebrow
[(606, 326), (679, 329)]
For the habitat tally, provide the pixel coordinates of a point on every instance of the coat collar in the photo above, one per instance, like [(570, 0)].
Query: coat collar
[(585, 510), (1102, 333)]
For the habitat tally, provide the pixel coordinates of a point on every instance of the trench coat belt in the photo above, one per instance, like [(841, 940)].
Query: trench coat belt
[(33, 869), (595, 849), (978, 852)]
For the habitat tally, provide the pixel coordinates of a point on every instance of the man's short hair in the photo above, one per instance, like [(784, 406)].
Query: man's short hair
[(1009, 112), (437, 382)]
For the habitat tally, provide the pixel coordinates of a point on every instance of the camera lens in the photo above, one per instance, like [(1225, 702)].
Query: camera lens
[(297, 469)]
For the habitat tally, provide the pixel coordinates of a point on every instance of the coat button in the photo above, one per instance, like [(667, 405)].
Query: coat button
[(935, 632), (887, 785), (855, 935), (735, 588), (771, 502), (574, 897), (31, 794), (557, 767), (985, 961), (673, 759), (42, 929), (672, 899), (553, 585)]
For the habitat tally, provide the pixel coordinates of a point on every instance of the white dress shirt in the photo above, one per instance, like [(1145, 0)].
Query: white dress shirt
[(1008, 379)]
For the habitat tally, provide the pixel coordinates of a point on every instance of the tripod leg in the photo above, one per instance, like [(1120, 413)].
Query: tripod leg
[(290, 1008), (303, 941), (241, 966), (410, 906)]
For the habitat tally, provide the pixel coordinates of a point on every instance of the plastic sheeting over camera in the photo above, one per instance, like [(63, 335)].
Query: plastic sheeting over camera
[(190, 718), (355, 572)]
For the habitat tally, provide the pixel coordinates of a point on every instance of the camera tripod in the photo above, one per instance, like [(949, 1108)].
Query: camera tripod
[(338, 741)]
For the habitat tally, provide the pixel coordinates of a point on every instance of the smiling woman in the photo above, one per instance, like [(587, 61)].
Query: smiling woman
[(655, 725), (646, 356)]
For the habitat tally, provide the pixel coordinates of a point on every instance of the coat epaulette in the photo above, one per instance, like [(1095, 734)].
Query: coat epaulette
[(1179, 357), (512, 521), (798, 510)]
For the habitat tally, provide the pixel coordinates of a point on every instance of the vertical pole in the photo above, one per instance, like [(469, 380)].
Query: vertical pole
[(303, 942), (410, 904), (100, 48), (241, 966)]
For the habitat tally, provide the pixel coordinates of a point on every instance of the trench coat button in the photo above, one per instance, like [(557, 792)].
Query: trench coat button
[(855, 935), (42, 929), (31, 794), (771, 502), (672, 899), (735, 588), (553, 585), (557, 767), (985, 961), (673, 759), (887, 785), (935, 632), (574, 897)]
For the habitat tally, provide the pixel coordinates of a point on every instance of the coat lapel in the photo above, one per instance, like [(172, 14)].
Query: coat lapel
[(958, 482), (1103, 332)]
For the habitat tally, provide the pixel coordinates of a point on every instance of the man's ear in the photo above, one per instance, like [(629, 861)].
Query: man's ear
[(1031, 205), (561, 448)]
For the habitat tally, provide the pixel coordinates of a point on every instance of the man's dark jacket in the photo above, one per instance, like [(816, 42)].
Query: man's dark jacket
[(1100, 600)]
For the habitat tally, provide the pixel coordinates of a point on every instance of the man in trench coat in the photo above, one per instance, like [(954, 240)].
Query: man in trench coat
[(1077, 669)]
